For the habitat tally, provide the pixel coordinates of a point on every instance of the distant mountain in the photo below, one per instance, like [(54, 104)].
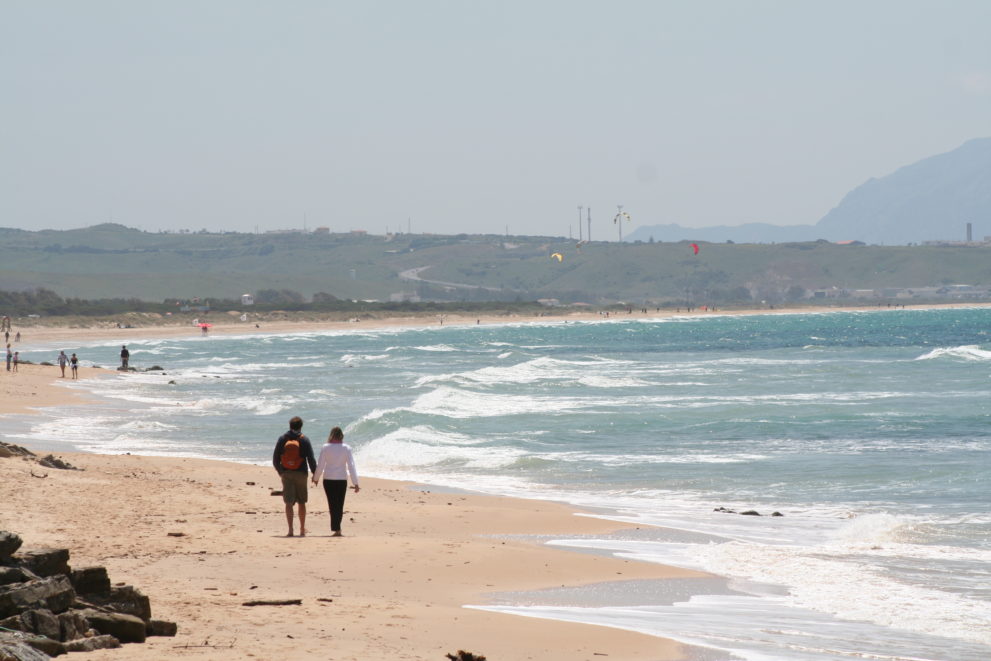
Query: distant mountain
[(933, 199), (930, 200)]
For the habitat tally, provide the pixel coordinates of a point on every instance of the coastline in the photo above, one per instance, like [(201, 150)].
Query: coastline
[(397, 583), (54, 330), (478, 597)]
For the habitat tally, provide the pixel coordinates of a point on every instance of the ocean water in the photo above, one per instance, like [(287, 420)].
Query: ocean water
[(869, 431)]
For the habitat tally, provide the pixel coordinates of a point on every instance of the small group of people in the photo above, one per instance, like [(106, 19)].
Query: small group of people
[(64, 360), (293, 459), (13, 358)]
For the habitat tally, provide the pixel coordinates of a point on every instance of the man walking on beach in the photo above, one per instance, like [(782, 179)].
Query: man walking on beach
[(125, 355), (293, 452), (63, 360)]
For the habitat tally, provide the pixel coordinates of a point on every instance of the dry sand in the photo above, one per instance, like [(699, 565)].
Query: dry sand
[(394, 587)]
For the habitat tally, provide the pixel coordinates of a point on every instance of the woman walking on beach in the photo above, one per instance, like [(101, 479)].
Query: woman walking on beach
[(336, 463), (74, 362)]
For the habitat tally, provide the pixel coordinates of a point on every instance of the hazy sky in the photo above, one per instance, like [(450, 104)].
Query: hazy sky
[(474, 116)]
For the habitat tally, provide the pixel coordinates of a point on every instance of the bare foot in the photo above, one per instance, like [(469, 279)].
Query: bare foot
[(290, 534), (337, 533), (302, 533)]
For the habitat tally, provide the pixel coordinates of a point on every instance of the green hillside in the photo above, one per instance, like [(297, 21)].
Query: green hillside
[(112, 261)]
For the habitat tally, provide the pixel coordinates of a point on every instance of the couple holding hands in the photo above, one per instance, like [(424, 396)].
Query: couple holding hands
[(293, 453)]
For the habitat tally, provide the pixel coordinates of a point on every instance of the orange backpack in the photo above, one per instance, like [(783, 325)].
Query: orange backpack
[(291, 458)]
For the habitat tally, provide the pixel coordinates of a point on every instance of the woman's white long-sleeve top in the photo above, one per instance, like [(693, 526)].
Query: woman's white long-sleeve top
[(336, 463)]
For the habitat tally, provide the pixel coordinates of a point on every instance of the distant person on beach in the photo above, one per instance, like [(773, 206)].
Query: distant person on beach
[(75, 366), (335, 465), (293, 452), (10, 356), (17, 338), (125, 356), (17, 359), (63, 360)]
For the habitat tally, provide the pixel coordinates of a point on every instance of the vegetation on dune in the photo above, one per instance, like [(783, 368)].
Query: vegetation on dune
[(110, 263)]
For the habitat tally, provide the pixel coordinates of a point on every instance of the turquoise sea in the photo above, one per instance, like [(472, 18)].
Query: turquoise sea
[(869, 431)]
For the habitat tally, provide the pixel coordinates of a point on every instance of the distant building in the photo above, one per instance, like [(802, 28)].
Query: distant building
[(322, 230), (247, 299), (404, 297)]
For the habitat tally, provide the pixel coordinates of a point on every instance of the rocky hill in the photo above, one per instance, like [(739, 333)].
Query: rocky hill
[(931, 200)]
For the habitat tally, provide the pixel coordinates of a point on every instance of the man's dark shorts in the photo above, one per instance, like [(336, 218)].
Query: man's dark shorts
[(294, 487)]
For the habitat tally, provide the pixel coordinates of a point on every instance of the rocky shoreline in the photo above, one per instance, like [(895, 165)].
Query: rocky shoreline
[(47, 608)]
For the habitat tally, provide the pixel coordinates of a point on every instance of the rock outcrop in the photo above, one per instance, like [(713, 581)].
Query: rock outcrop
[(47, 608)]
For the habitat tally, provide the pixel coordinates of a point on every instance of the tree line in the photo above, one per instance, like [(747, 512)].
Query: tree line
[(45, 302)]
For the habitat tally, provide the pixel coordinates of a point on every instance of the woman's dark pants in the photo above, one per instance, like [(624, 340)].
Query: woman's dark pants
[(335, 490)]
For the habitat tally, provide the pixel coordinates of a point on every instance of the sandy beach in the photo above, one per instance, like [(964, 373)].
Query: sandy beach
[(137, 326), (394, 586)]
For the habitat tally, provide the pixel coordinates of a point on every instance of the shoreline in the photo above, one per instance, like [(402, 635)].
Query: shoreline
[(55, 329), (398, 583), (401, 583), (479, 595)]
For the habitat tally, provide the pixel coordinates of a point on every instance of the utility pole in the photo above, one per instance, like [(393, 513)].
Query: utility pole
[(580, 207), (619, 220), (588, 214)]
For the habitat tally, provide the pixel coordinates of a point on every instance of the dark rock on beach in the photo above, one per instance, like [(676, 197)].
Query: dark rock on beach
[(90, 580), (124, 599), (9, 543), (11, 450), (744, 513), (53, 593), (162, 628), (48, 609), (44, 562), (15, 647), (102, 642), (51, 461), (10, 575), (28, 647), (125, 628)]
